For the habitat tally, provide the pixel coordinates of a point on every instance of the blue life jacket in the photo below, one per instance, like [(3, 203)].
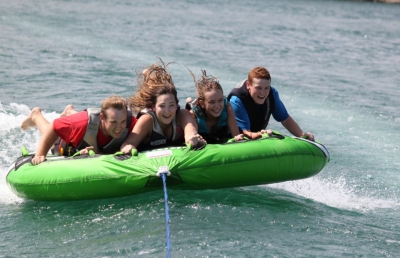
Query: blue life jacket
[(220, 133)]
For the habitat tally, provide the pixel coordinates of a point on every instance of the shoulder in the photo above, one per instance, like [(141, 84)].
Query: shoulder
[(274, 91), (184, 113), (144, 123), (236, 102), (145, 118), (276, 95), (235, 99)]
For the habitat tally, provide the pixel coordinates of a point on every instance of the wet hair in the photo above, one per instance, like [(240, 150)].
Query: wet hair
[(258, 72), (152, 82), (114, 102), (205, 84)]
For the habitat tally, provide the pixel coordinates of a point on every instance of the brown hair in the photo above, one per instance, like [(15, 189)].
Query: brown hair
[(114, 102), (258, 72), (152, 82), (205, 83)]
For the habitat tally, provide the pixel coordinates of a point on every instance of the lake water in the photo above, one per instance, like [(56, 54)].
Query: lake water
[(336, 65)]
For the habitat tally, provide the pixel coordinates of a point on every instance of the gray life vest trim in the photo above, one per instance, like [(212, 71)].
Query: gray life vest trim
[(93, 127), (156, 126), (241, 84)]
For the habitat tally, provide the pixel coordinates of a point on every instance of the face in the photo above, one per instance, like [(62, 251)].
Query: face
[(115, 122), (259, 89), (165, 109), (213, 103)]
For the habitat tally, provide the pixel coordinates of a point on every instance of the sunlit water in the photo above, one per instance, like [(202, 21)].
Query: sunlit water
[(336, 65)]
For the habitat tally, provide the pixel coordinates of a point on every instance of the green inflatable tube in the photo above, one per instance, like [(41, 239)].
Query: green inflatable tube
[(263, 161)]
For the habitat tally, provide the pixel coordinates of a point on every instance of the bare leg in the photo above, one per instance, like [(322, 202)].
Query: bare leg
[(69, 110), (35, 118)]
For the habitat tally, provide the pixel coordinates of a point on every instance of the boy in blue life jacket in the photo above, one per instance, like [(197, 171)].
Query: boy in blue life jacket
[(254, 101)]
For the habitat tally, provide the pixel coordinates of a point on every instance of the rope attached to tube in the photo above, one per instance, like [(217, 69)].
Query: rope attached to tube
[(163, 172)]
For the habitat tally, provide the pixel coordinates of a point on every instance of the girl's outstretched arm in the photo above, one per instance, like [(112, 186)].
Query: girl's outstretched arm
[(140, 132), (189, 126), (232, 124)]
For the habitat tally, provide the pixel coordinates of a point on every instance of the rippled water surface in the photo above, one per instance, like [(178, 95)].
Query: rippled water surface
[(336, 65)]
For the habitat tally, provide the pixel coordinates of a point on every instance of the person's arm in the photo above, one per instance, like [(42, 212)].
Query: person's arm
[(189, 126), (194, 117), (140, 132), (256, 135), (46, 142), (232, 124), (295, 129), (280, 114), (242, 118)]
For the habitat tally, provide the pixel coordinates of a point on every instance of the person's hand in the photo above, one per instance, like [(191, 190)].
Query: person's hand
[(239, 137), (269, 132), (309, 135), (127, 149), (196, 140), (86, 150), (38, 159)]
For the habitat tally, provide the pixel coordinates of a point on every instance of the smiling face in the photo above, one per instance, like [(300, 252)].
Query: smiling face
[(165, 109), (113, 122), (259, 89), (213, 103)]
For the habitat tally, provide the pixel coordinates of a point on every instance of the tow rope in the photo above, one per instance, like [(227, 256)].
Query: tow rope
[(163, 172)]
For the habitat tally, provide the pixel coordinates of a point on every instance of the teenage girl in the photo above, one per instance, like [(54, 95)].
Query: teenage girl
[(214, 115), (161, 123)]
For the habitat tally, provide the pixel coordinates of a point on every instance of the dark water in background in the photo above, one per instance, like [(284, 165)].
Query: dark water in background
[(336, 65)]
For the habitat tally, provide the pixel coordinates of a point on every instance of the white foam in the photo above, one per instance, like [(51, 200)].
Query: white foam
[(335, 193), (12, 138), (6, 196)]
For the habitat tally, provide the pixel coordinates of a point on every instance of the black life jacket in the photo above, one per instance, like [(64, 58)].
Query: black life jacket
[(258, 114), (157, 139), (90, 138)]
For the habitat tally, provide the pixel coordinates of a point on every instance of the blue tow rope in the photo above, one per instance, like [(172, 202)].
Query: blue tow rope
[(163, 172)]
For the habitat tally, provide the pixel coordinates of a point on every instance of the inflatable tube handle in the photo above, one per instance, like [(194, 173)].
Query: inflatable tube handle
[(190, 147), (264, 136), (24, 151), (232, 140), (134, 152)]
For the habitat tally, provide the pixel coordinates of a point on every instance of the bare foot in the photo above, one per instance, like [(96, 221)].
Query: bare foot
[(68, 110), (29, 121)]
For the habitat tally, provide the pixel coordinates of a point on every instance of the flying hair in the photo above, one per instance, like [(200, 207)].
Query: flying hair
[(205, 84), (152, 82)]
